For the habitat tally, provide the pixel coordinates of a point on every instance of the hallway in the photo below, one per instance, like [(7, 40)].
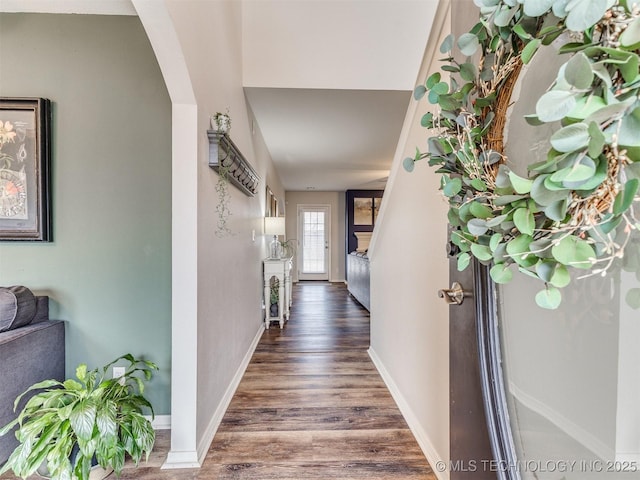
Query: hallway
[(312, 405)]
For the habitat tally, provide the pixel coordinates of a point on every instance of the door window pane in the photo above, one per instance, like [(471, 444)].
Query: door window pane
[(313, 240)]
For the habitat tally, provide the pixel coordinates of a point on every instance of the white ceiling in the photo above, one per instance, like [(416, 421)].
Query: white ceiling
[(330, 139), (329, 83)]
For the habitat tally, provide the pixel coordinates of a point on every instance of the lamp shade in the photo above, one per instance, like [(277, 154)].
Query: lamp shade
[(274, 226)]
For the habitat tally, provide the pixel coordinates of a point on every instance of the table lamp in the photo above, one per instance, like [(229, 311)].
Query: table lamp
[(274, 226)]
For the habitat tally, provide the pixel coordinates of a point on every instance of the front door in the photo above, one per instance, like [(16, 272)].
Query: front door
[(469, 441), (314, 246), (470, 445)]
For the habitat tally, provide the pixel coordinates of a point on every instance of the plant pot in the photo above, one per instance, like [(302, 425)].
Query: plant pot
[(221, 123), (273, 310), (97, 472)]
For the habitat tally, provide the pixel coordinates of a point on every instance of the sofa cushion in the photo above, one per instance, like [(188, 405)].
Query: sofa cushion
[(17, 307)]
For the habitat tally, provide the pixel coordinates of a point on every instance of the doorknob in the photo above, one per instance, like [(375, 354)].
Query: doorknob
[(453, 295)]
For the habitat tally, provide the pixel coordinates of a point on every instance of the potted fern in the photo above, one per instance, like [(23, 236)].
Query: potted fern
[(94, 417)]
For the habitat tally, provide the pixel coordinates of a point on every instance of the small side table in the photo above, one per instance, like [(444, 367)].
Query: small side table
[(280, 269)]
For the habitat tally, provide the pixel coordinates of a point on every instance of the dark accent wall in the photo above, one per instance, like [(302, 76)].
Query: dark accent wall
[(351, 228)]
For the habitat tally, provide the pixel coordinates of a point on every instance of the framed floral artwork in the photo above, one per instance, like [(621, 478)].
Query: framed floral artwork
[(25, 161)]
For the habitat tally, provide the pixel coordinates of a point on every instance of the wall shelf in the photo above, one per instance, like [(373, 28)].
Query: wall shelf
[(223, 152)]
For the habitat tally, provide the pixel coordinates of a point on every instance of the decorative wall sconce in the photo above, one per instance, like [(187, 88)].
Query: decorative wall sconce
[(224, 153)]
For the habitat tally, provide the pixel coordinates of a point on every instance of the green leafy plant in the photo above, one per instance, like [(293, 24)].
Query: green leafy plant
[(288, 247), (224, 200), (221, 122), (98, 415), (576, 207)]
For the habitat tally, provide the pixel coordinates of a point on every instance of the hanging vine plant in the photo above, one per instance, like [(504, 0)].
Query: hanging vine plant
[(575, 208)]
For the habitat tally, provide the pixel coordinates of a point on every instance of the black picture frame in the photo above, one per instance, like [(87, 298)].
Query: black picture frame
[(25, 169)]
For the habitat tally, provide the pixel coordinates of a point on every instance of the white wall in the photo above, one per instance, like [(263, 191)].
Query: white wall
[(348, 37), (216, 334), (409, 324), (337, 202)]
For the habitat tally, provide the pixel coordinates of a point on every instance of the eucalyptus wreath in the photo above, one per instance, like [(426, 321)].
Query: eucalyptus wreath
[(576, 207)]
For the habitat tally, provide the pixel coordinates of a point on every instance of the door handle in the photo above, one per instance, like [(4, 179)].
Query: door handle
[(454, 295)]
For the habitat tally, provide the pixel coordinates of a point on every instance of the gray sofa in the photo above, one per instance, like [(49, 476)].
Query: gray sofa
[(29, 353), (358, 278)]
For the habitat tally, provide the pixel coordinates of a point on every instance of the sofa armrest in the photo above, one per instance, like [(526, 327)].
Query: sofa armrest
[(42, 309), (28, 355)]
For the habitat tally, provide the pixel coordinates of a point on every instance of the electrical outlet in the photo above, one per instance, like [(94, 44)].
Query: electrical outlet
[(119, 372)]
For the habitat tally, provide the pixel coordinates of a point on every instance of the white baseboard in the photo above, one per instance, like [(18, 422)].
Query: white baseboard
[(176, 460), (214, 423), (160, 422), (414, 425)]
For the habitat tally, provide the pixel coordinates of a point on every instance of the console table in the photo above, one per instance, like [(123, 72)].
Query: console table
[(279, 269)]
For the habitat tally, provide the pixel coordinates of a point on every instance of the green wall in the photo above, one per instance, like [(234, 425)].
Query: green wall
[(108, 270)]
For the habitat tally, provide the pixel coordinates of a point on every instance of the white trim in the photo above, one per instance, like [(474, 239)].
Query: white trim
[(299, 226), (422, 437), (216, 419), (160, 422), (94, 7), (573, 430), (176, 459)]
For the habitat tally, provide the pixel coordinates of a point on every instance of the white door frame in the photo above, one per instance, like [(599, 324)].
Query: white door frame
[(311, 206)]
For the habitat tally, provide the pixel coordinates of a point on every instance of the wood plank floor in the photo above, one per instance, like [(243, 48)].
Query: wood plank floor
[(311, 405)]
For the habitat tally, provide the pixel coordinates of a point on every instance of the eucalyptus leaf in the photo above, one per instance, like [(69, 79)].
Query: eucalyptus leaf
[(542, 195), (504, 15), (524, 220), (447, 43), (596, 140), (479, 184), (507, 199), (545, 270), (427, 120), (535, 8), (557, 210), (481, 252), (519, 246), (468, 72), (419, 92), (559, 8), (610, 224), (555, 105), (579, 72), (479, 210), (477, 226), (530, 49), (520, 185), (549, 298), (574, 252), (468, 44), (495, 221), (433, 79), (582, 14), (452, 187), (463, 261), (628, 131), (633, 298), (571, 138), (561, 277), (501, 273), (625, 198), (409, 164), (495, 241), (630, 38)]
